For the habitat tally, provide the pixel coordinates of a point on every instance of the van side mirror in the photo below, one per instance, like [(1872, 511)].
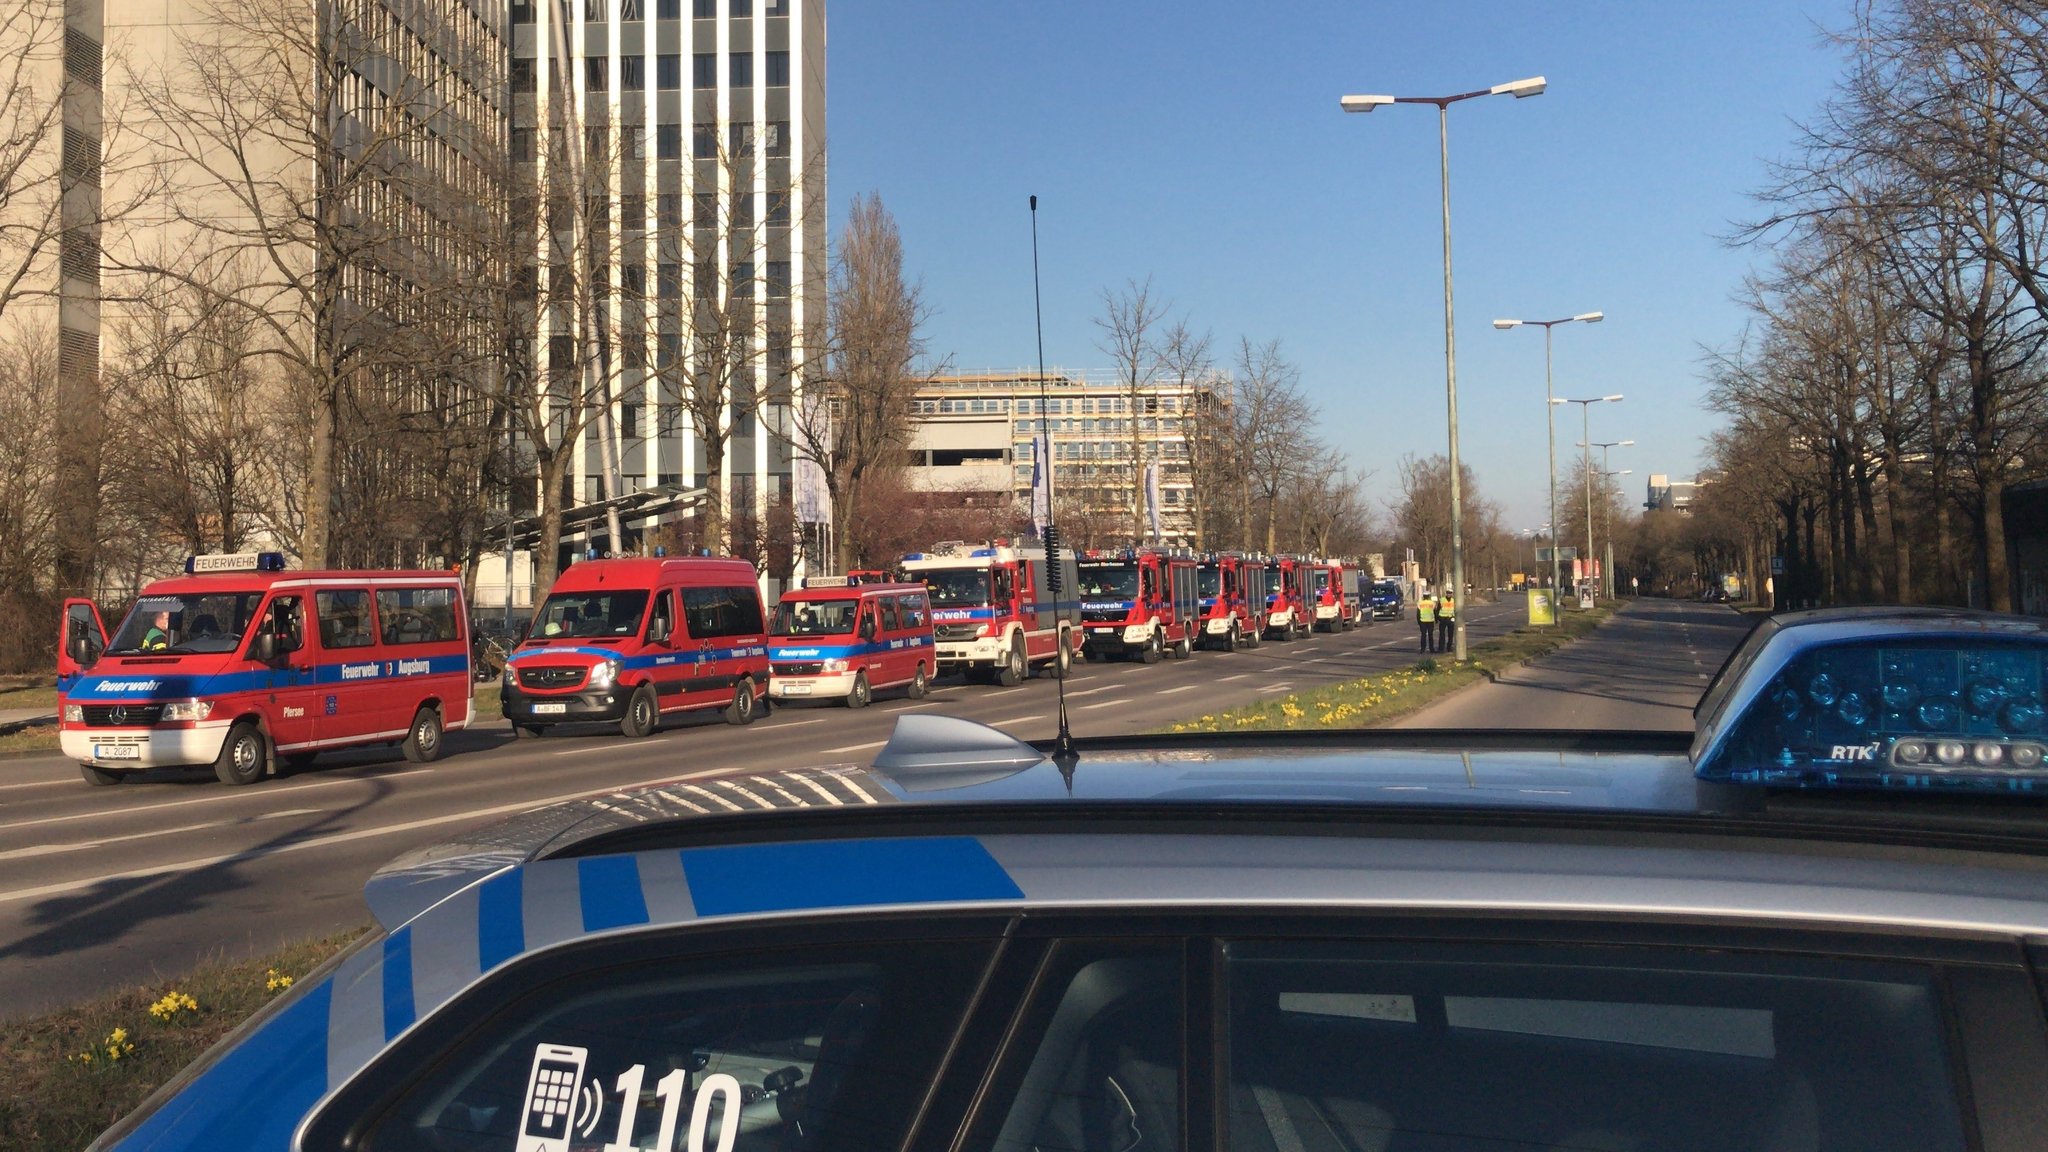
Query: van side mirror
[(263, 649), (82, 636), (81, 650), (658, 632), (867, 627)]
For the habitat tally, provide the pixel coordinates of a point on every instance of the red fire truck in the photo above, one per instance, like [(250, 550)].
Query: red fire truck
[(1335, 588), (1232, 586), (1289, 598), (1140, 603), (994, 610)]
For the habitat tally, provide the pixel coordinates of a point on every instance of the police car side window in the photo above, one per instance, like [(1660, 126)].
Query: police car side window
[(820, 1049), (344, 615), (1454, 1047)]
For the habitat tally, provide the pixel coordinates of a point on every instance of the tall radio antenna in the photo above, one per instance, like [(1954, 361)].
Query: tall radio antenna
[(1063, 753)]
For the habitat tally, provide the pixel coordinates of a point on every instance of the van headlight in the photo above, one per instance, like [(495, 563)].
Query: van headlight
[(605, 674), (834, 664), (188, 711), (74, 713)]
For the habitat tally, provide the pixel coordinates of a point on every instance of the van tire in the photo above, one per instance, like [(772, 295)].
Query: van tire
[(741, 710), (1016, 667), (97, 777), (1153, 649), (243, 756), (643, 714), (859, 695), (422, 744), (921, 685)]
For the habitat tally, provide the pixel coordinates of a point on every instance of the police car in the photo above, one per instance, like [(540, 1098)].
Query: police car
[(1814, 924)]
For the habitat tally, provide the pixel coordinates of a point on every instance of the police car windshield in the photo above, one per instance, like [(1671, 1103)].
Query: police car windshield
[(187, 624), (590, 615), (815, 618), (1118, 580), (958, 587), (1209, 581)]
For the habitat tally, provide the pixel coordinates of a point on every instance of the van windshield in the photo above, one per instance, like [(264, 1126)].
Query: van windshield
[(590, 615), (186, 624), (957, 587), (815, 618)]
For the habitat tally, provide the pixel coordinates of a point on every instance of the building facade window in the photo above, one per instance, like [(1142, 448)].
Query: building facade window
[(741, 67), (741, 9), (632, 74), (668, 142), (778, 69), (668, 71), (704, 9), (596, 75), (704, 142), (704, 70)]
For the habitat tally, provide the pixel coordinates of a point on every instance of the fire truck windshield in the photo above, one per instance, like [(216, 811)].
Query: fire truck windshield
[(187, 624), (955, 587), (1119, 580), (819, 618), (590, 615), (1209, 581)]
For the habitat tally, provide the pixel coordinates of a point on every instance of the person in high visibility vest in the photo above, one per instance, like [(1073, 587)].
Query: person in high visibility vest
[(1447, 623), (1425, 618)]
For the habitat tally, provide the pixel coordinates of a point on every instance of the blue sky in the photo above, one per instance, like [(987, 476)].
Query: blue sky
[(1200, 143)]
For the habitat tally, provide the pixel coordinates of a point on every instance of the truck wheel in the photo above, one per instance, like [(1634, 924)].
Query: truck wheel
[(860, 694), (1185, 649), (1153, 649), (741, 710), (1251, 639), (920, 686), (1016, 668), (643, 714), (423, 740), (96, 777), (243, 756), (1062, 663)]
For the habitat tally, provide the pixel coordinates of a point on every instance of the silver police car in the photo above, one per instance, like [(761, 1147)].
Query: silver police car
[(1812, 927)]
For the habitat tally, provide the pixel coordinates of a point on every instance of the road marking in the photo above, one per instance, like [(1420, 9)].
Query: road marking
[(1093, 691), (54, 849), (1171, 691), (1228, 679), (610, 745), (1017, 719), (1275, 688), (38, 784), (1103, 704), (211, 798), (8, 897), (801, 723), (853, 747)]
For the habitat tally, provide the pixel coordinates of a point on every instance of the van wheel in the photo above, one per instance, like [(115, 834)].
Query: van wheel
[(97, 777), (1016, 668), (859, 695), (741, 710), (423, 742), (643, 714), (921, 685), (243, 756), (1153, 649)]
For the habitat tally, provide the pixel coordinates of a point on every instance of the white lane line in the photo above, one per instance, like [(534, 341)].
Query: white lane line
[(1228, 679), (1093, 691), (1274, 688), (911, 707), (1104, 704), (1182, 688), (54, 849), (854, 747), (8, 897), (800, 723), (213, 798), (612, 744), (1017, 719), (39, 784)]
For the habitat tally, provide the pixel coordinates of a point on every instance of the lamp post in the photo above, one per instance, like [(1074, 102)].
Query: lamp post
[(1550, 415), (1607, 558), (1519, 89), (1585, 412)]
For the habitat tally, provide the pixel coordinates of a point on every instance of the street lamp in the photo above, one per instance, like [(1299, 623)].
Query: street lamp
[(1519, 89), (1607, 560), (1550, 412), (1586, 411)]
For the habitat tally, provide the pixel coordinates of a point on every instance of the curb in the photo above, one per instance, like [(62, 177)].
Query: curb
[(11, 727)]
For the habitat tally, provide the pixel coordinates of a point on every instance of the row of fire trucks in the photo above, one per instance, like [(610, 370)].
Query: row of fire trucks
[(1002, 611)]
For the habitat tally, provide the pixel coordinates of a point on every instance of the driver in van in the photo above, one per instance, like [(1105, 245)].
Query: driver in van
[(157, 636)]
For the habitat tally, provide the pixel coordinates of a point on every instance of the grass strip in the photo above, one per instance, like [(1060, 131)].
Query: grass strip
[(1376, 700), (66, 1077)]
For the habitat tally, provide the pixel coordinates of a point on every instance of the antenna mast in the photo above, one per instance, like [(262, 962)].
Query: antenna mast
[(1063, 753)]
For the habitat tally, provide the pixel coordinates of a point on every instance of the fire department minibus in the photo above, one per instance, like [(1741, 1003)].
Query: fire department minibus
[(240, 663), (835, 638), (632, 640)]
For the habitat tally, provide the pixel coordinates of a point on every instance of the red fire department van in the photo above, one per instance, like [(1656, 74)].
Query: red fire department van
[(995, 611), (1227, 583), (1289, 602), (633, 640), (835, 637), (1140, 603), (240, 662)]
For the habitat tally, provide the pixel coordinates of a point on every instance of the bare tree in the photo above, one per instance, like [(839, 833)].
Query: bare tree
[(855, 424), (1270, 430), (32, 177), (1126, 324), (1185, 360)]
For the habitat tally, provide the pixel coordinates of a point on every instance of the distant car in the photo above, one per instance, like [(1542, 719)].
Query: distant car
[(1385, 600), (1343, 941)]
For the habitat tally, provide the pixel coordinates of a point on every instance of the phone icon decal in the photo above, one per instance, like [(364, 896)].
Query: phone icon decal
[(551, 1097)]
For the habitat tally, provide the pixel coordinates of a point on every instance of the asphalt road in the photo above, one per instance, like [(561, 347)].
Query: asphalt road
[(1641, 671), (102, 888)]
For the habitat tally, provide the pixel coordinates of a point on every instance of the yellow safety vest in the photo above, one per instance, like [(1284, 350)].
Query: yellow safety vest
[(1448, 609), (1425, 611)]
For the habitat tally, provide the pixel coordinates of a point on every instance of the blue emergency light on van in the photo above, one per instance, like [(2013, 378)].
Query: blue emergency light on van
[(1902, 699)]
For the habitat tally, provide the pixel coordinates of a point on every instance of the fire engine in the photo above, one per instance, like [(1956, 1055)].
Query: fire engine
[(1142, 603), (998, 609), (1232, 587), (1289, 601), (1337, 604)]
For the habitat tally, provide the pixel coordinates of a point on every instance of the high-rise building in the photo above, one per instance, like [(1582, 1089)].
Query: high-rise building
[(678, 146)]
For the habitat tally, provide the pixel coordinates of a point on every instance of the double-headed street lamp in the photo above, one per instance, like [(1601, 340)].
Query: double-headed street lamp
[(1550, 413), (1519, 89), (1586, 411)]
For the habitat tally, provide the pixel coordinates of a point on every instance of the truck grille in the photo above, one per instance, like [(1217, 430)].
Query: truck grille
[(806, 668), (958, 632), (122, 715), (552, 677), (1104, 615)]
